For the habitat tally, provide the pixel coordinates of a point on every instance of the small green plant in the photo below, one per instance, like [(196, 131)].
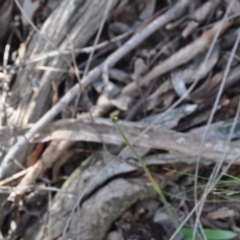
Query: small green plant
[(211, 234), (147, 172), (222, 188)]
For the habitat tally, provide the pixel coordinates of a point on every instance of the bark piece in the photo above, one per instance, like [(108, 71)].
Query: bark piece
[(78, 19), (181, 57), (101, 208), (184, 143)]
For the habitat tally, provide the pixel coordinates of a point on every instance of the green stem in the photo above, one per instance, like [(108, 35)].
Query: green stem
[(147, 172)]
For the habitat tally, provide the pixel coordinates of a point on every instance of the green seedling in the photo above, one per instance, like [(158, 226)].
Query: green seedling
[(147, 172)]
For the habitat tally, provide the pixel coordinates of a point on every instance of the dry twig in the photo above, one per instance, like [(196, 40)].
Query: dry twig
[(51, 155), (177, 10)]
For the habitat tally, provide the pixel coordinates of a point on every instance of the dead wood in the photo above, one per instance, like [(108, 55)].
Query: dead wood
[(181, 57), (14, 177), (98, 211), (199, 16), (177, 10), (184, 143), (54, 151), (210, 87), (80, 22), (5, 18), (33, 108), (166, 53)]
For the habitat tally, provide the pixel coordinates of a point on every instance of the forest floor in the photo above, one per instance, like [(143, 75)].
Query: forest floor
[(168, 71)]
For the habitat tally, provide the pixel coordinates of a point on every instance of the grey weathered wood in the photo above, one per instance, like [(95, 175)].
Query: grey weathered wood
[(186, 144), (98, 211), (77, 19)]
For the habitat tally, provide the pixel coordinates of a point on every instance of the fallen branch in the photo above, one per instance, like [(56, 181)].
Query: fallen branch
[(181, 57), (186, 144), (183, 143), (43, 121), (161, 21), (78, 185), (87, 80), (172, 141)]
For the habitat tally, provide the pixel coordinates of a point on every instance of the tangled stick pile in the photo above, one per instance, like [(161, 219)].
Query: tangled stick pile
[(168, 70)]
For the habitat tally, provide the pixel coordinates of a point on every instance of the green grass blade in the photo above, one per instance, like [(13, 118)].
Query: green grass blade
[(147, 172)]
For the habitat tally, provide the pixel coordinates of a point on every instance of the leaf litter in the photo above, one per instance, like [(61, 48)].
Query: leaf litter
[(157, 65)]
